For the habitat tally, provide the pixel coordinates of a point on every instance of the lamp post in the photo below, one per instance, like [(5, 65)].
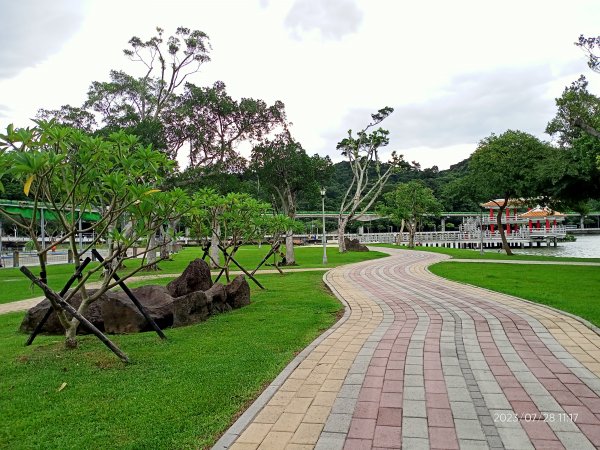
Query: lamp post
[(324, 236)]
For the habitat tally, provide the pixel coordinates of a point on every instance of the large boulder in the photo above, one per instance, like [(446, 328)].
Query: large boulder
[(195, 277), (352, 245), (190, 308), (217, 299), (238, 292), (121, 315), (35, 314)]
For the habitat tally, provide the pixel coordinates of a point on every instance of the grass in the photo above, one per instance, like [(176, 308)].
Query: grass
[(460, 253), (177, 394), (570, 288), (16, 287)]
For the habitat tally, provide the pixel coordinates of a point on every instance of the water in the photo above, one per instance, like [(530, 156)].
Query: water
[(586, 246)]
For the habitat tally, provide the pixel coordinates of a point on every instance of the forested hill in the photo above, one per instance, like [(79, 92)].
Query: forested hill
[(449, 186)]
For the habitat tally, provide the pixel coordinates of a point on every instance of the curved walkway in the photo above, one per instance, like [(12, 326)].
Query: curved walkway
[(423, 362)]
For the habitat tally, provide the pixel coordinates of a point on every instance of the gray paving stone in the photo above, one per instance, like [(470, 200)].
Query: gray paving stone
[(468, 444), (414, 393), (574, 441), (338, 423), (463, 410), (349, 391), (458, 394), (415, 427), (489, 387), (414, 408), (343, 405), (413, 369), (496, 401), (468, 429), (413, 380), (515, 439), (330, 441), (409, 443)]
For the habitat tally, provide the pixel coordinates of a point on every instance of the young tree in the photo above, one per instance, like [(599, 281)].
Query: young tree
[(512, 165), (286, 172), (410, 203), (68, 174), (369, 175)]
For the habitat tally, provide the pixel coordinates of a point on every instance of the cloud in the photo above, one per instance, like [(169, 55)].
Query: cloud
[(332, 18), (33, 30), (469, 108)]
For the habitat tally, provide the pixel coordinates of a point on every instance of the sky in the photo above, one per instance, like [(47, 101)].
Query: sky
[(454, 71)]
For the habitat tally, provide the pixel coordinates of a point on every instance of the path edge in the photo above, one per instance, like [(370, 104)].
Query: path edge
[(238, 427)]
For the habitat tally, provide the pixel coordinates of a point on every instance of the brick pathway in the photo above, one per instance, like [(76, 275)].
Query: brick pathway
[(422, 362)]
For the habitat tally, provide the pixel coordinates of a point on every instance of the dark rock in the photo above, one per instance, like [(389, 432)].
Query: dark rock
[(238, 292), (195, 277), (217, 299), (122, 316), (354, 246), (35, 314), (190, 308)]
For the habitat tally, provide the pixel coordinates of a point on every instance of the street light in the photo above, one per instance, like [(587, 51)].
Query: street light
[(324, 236)]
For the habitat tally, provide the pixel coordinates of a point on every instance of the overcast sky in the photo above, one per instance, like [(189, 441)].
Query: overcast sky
[(454, 71)]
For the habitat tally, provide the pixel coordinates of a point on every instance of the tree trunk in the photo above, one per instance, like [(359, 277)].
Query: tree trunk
[(412, 228), (400, 233), (341, 233), (151, 256), (214, 248), (505, 245), (290, 257)]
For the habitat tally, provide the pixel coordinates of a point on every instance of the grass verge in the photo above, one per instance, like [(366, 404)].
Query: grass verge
[(182, 393), (16, 287), (569, 288)]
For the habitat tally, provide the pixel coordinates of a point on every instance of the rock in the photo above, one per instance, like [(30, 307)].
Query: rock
[(354, 246), (217, 299), (53, 326), (238, 292), (122, 316), (195, 277), (191, 308)]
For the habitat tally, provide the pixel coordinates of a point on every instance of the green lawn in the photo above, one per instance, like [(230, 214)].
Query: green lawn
[(460, 253), (570, 288), (177, 394), (16, 287)]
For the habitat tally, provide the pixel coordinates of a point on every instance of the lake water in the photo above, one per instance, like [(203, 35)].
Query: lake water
[(586, 246)]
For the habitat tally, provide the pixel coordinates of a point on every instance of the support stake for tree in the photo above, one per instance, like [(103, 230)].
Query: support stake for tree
[(68, 308), (65, 289), (132, 297), (274, 249), (241, 268)]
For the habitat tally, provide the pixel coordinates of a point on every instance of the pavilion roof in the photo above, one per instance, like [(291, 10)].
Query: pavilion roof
[(500, 202), (540, 211)]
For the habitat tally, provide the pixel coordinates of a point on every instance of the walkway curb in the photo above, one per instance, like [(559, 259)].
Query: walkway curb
[(238, 427)]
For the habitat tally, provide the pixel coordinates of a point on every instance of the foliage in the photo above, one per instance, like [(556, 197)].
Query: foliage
[(286, 172), (214, 124), (512, 165), (411, 203), (362, 154), (69, 174)]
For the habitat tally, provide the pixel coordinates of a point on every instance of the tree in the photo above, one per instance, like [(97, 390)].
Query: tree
[(70, 175), (214, 124), (362, 154), (410, 203), (512, 165), (286, 172)]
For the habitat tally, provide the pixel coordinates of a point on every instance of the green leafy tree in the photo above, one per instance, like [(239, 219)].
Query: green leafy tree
[(369, 175), (286, 172), (70, 174), (410, 203), (512, 165)]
